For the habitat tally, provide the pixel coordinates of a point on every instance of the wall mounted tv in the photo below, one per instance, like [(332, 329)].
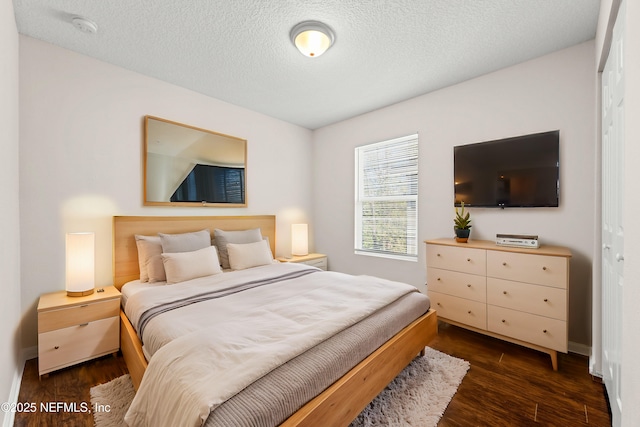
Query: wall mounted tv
[(522, 171)]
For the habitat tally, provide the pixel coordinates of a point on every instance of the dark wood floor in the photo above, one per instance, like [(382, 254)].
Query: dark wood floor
[(510, 385), (67, 385), (507, 385)]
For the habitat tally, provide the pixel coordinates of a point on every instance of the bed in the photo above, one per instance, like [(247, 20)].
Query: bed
[(333, 404)]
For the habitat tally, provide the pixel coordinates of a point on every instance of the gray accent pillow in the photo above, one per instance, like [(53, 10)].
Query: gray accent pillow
[(185, 242), (222, 238)]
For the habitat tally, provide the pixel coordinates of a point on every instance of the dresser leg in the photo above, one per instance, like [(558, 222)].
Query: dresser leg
[(554, 359)]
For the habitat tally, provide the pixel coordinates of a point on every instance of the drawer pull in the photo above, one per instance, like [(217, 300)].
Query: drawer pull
[(440, 305), (546, 300), (504, 292), (468, 259), (439, 279), (468, 285), (504, 263), (437, 254), (84, 305), (544, 331), (469, 311), (544, 268), (83, 324), (56, 347)]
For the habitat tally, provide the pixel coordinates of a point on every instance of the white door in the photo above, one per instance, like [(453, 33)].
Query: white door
[(612, 220)]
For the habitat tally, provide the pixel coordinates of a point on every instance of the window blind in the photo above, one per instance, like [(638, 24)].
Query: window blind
[(386, 221)]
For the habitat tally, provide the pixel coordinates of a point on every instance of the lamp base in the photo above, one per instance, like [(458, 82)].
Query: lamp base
[(80, 293)]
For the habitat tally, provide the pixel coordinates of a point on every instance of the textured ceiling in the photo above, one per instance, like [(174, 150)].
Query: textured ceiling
[(385, 51)]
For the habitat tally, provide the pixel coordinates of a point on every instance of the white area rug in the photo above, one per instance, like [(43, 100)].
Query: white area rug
[(111, 401), (417, 397)]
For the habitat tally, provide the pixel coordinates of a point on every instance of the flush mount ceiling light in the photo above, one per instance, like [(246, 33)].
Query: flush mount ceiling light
[(312, 38), (84, 25)]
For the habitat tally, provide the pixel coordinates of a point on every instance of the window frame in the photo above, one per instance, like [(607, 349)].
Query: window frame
[(411, 254)]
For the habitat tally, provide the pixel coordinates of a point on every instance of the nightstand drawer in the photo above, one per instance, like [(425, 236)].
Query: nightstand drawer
[(461, 310), (75, 315), (539, 330), (464, 285), (539, 269), (466, 260), (67, 346), (535, 299), (320, 263)]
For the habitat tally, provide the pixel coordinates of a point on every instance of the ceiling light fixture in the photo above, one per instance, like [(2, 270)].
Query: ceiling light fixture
[(312, 38), (84, 25)]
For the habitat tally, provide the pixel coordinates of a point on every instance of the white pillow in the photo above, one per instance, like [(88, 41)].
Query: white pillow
[(148, 247), (182, 266), (247, 255)]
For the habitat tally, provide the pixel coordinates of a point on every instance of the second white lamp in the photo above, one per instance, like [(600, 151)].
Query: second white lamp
[(299, 239)]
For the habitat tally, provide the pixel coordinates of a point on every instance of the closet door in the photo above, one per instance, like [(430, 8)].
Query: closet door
[(612, 220)]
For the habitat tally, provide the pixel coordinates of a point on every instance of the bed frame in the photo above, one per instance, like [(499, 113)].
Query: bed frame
[(341, 402)]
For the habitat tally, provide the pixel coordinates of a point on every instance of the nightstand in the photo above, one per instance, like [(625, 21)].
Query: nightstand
[(316, 260), (75, 329)]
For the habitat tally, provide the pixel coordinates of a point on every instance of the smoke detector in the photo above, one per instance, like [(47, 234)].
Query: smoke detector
[(85, 25)]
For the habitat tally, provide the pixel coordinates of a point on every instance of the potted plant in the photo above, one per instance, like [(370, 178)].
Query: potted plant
[(462, 225)]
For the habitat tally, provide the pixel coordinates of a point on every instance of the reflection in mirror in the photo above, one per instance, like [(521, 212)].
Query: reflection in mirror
[(188, 166)]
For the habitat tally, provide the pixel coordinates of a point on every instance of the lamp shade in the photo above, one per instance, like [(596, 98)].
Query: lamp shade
[(299, 239), (312, 38), (80, 264)]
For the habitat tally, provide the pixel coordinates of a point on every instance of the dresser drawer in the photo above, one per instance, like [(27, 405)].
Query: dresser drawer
[(67, 346), (464, 285), (539, 330), (51, 320), (466, 260), (472, 313), (535, 299), (539, 269)]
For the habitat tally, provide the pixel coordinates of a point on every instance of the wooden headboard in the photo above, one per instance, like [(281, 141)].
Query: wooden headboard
[(125, 252)]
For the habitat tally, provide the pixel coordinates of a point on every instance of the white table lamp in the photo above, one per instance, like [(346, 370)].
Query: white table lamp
[(299, 239), (80, 268)]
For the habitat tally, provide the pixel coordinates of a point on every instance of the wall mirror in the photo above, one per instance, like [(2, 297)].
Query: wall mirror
[(188, 166)]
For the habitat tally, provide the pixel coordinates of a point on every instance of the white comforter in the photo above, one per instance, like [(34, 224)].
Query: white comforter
[(207, 352)]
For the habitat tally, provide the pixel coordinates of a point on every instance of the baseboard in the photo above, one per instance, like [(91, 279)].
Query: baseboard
[(27, 353), (9, 416)]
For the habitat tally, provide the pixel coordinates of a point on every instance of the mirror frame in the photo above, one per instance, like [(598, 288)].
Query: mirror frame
[(189, 204)]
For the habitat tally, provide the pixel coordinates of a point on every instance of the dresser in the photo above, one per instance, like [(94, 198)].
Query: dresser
[(515, 294), (75, 329)]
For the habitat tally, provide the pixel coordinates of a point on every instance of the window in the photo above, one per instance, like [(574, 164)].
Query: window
[(387, 199)]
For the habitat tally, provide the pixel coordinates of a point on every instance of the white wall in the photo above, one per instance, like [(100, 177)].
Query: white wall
[(10, 342), (556, 91), (80, 156)]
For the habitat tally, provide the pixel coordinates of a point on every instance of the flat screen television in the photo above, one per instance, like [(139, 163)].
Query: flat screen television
[(522, 171), (211, 184)]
